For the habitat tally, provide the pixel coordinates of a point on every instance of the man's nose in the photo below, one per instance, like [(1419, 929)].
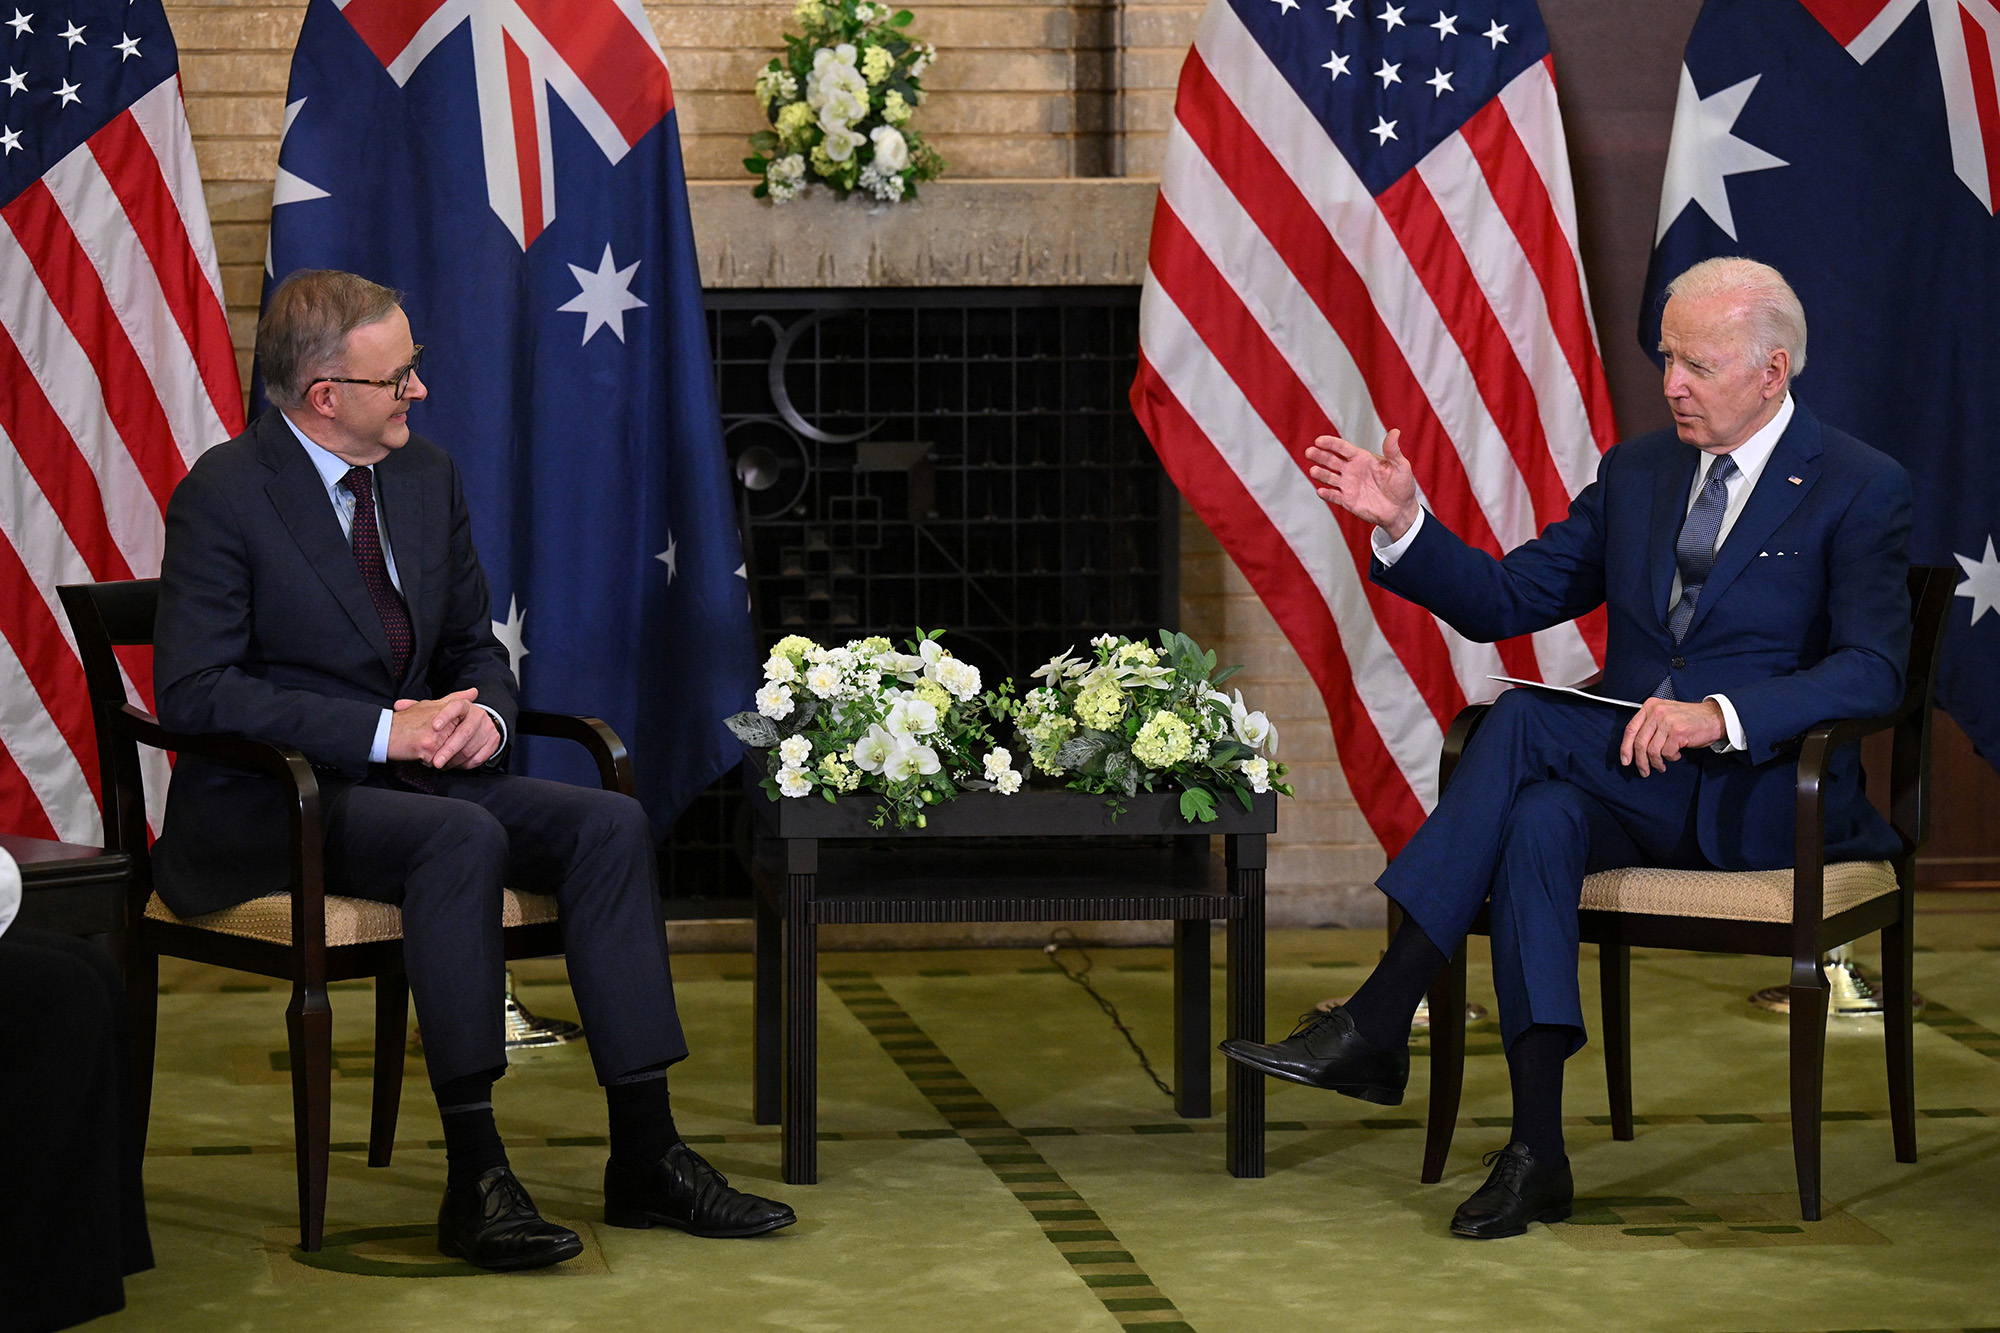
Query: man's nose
[(415, 391)]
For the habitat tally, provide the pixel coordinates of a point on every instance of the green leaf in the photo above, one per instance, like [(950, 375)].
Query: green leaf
[(902, 19), (1224, 674), (1243, 795), (754, 165), (1197, 806), (765, 141)]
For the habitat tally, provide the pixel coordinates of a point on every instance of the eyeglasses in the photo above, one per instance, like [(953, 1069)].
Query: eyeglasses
[(396, 385)]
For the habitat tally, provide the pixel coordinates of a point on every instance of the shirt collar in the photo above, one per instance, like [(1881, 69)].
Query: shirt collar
[(330, 466), (1751, 455)]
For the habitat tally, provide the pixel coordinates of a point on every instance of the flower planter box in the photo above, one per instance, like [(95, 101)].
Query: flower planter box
[(806, 882)]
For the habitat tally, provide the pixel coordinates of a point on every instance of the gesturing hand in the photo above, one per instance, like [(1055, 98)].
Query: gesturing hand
[(1382, 491), (452, 732), (1662, 728)]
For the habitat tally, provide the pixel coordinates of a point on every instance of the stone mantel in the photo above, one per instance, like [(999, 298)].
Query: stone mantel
[(974, 233)]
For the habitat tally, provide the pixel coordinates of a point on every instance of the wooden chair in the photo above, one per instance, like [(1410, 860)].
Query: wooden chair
[(306, 936), (1797, 914)]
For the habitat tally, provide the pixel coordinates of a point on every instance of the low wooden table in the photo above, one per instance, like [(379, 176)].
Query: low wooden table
[(809, 883), (67, 888)]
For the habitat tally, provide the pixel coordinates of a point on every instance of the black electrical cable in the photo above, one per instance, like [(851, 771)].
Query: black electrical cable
[(1060, 939)]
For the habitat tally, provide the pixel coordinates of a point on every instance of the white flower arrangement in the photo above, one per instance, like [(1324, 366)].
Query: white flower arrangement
[(839, 102), (911, 727)]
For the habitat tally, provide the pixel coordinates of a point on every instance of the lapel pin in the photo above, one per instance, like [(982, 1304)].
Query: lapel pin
[(1796, 481)]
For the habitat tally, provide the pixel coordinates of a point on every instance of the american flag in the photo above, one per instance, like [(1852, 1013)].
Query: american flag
[(115, 363), (1365, 222)]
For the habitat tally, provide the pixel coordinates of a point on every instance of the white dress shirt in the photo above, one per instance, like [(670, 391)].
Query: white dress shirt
[(333, 469), (1750, 456)]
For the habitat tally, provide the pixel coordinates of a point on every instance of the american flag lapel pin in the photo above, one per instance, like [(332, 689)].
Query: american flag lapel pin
[(1796, 481)]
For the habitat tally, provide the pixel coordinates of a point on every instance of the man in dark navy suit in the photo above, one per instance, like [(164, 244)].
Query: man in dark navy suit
[(320, 590), (1753, 569)]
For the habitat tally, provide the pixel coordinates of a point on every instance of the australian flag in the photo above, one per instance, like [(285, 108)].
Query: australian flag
[(513, 167), (1855, 146)]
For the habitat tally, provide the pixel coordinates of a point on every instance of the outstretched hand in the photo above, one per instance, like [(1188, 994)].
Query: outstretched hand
[(1380, 490), (452, 732)]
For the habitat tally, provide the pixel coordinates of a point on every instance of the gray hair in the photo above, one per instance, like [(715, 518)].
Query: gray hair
[(305, 325), (1765, 298)]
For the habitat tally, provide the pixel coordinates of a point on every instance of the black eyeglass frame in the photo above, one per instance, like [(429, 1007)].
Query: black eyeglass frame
[(396, 386)]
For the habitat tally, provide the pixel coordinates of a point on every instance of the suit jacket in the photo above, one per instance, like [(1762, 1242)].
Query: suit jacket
[(266, 630), (1804, 618)]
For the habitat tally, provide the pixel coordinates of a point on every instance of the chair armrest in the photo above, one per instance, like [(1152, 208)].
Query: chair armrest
[(614, 765), (289, 767), (1456, 739), (1816, 751)]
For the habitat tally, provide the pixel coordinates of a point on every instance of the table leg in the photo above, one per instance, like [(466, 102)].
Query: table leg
[(1191, 1025), (1244, 960), (801, 964), (767, 1041)]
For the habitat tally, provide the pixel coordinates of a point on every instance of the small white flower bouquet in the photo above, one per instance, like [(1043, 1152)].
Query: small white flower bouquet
[(1139, 717), (911, 727), (839, 101)]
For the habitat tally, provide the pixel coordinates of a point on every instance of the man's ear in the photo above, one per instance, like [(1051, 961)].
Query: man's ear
[(1777, 372), (320, 399)]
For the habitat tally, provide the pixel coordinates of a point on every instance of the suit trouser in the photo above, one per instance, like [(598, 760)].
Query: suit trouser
[(445, 857), (1538, 801)]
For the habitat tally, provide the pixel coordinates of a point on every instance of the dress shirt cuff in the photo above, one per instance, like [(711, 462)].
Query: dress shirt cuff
[(501, 727), (1731, 724), (378, 751), (1389, 552)]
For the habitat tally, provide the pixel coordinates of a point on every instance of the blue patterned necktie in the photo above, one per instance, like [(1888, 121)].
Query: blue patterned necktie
[(1694, 552)]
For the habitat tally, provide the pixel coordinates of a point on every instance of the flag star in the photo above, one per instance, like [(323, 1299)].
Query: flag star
[(288, 188), (742, 571), (1384, 131), (1392, 15), (16, 81), (73, 34), (1286, 6), (1337, 63), (1447, 25), (127, 48), (10, 140), (1341, 9), (1496, 34), (1440, 83), (670, 558), (1388, 74), (21, 23), (1982, 581), (604, 296), (1704, 152), (510, 632), (68, 92)]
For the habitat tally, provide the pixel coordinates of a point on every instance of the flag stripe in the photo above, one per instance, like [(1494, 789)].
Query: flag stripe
[(78, 294), (1214, 311), (45, 719), (527, 144), (135, 174), (1979, 61), (62, 477), (622, 67), (388, 26)]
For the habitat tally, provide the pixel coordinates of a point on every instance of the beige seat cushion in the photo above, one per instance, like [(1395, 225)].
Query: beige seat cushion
[(1742, 895), (348, 920)]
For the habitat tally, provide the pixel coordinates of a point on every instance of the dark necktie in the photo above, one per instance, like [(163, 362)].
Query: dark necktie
[(1694, 552), (375, 570)]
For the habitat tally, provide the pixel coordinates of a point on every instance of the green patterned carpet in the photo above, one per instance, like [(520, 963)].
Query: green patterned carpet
[(994, 1158)]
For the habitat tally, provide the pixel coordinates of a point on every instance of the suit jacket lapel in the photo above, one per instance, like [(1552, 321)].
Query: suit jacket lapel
[(1671, 487), (403, 514), (1788, 477), (301, 501)]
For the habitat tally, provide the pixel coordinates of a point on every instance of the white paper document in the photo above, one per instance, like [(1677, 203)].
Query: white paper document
[(1547, 688)]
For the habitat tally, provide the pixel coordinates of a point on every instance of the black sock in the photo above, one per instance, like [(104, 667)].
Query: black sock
[(1386, 1002), (1535, 1070), (471, 1141), (642, 1119)]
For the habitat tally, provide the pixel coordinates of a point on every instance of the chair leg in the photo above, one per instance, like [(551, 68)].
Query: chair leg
[(767, 1029), (1808, 1026), (1447, 1000), (142, 1020), (1614, 975), (309, 1020), (392, 1031), (1898, 977)]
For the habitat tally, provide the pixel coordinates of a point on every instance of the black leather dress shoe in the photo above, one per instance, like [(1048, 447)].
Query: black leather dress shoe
[(1324, 1051), (493, 1223), (682, 1190), (1520, 1190)]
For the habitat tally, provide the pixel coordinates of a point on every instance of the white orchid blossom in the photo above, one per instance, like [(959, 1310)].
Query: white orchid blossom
[(908, 761), (1253, 729), (872, 751), (910, 716)]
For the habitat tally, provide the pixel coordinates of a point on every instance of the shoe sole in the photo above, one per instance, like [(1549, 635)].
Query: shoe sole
[(1560, 1213), (555, 1254), (638, 1219), (1367, 1092)]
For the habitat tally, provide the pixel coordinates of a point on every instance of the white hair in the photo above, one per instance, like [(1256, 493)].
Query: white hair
[(1767, 301)]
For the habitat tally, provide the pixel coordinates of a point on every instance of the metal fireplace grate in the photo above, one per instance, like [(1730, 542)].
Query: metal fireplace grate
[(946, 458)]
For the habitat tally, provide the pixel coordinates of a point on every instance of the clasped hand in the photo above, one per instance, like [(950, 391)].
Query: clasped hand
[(452, 732), (1662, 728)]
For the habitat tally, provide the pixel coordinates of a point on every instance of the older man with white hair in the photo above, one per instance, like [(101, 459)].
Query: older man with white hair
[(1752, 565)]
